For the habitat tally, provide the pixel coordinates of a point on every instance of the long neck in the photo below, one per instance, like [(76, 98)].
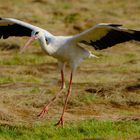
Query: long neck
[(44, 45)]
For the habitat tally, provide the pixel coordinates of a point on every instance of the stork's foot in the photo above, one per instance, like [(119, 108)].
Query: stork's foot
[(43, 112), (60, 122)]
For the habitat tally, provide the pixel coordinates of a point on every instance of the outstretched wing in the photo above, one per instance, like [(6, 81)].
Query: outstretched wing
[(104, 35), (13, 27)]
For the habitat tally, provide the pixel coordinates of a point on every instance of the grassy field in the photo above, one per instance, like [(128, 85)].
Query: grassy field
[(105, 99)]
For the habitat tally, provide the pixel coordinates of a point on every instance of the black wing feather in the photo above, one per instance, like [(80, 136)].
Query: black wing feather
[(114, 37), (14, 30)]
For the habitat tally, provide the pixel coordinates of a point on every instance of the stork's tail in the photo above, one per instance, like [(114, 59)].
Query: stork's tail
[(93, 56), (136, 35)]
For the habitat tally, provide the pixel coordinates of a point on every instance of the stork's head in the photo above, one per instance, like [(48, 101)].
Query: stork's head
[(37, 34), (34, 36)]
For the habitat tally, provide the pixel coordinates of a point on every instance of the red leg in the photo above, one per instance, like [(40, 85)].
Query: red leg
[(61, 121), (46, 108)]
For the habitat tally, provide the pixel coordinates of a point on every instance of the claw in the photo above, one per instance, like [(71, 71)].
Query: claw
[(42, 113), (60, 122)]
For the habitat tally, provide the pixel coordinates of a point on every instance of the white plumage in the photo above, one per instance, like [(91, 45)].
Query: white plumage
[(66, 48)]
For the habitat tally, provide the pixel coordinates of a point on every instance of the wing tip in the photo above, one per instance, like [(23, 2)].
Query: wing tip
[(110, 24), (0, 18), (115, 25)]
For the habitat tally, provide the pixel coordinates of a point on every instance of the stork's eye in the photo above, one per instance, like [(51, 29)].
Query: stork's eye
[(46, 41), (36, 33)]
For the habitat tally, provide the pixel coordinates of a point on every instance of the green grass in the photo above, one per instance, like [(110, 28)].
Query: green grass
[(27, 59), (73, 131), (18, 78)]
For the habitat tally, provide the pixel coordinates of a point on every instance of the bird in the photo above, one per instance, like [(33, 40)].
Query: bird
[(67, 49)]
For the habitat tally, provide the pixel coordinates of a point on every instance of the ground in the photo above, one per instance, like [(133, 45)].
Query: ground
[(105, 99)]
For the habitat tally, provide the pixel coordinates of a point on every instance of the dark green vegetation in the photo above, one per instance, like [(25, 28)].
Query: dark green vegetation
[(79, 131), (105, 100)]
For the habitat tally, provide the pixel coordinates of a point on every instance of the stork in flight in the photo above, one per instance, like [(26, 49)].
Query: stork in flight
[(66, 49)]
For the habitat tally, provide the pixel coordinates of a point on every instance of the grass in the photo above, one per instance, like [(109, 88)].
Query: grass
[(27, 59), (105, 99), (89, 129)]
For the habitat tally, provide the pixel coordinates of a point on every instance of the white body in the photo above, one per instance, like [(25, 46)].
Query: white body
[(62, 49)]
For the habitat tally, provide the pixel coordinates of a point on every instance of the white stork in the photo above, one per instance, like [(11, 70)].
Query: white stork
[(65, 48)]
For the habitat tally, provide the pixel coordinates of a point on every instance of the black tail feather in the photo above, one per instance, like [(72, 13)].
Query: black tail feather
[(115, 25), (136, 35)]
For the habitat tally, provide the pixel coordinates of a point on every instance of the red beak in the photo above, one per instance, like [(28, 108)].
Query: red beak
[(31, 39)]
